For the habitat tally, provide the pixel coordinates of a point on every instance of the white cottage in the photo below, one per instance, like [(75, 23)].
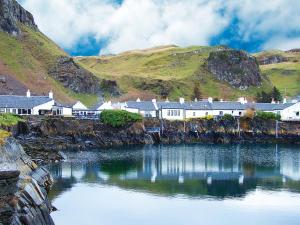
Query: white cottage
[(27, 105)]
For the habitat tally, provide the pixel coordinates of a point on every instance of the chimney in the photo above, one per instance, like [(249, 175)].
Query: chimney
[(138, 100), (273, 101), (196, 100), (242, 100), (28, 93), (210, 99), (154, 100), (284, 101), (181, 100), (167, 100), (51, 94), (221, 100)]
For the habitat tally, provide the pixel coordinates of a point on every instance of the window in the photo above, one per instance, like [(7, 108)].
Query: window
[(221, 113), (178, 112), (169, 113), (194, 113), (14, 111), (297, 113), (206, 113), (19, 111), (240, 113), (2, 110)]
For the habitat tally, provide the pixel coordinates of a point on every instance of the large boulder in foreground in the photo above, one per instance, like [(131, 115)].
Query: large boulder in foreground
[(23, 188), (238, 68)]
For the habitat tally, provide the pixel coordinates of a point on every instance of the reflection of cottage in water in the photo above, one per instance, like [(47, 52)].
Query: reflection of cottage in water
[(290, 165)]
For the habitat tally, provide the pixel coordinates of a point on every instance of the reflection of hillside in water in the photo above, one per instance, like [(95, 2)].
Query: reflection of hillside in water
[(194, 170)]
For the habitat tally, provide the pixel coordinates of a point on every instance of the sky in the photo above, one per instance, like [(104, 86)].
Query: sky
[(98, 27)]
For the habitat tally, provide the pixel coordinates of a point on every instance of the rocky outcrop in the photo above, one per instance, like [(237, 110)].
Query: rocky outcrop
[(238, 68), (47, 137), (272, 59), (226, 131), (74, 77), (12, 13), (23, 188)]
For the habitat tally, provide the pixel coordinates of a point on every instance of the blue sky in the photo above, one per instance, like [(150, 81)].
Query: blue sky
[(93, 27)]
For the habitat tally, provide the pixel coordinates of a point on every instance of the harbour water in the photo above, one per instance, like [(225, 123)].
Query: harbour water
[(178, 185)]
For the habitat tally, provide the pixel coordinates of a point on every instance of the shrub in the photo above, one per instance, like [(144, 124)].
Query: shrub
[(227, 117), (3, 134), (7, 119), (267, 116), (118, 118)]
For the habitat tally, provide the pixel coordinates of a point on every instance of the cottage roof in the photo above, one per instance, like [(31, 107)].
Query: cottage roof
[(171, 105), (143, 105), (13, 101), (271, 107)]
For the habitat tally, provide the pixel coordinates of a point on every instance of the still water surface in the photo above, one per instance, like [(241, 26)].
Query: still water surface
[(179, 185)]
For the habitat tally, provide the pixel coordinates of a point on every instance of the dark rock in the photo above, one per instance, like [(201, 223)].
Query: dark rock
[(111, 87), (74, 77), (12, 13), (272, 59), (23, 188), (238, 68)]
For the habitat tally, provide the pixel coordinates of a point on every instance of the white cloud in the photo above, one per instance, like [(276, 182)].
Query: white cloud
[(134, 24), (282, 43), (139, 24)]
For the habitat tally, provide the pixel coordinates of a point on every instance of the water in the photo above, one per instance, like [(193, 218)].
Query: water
[(179, 185)]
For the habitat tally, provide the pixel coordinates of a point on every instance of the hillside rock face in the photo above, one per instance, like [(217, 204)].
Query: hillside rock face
[(73, 76), (273, 59), (238, 68), (12, 13)]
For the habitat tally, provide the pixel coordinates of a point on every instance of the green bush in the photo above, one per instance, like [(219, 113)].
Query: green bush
[(227, 117), (119, 118), (7, 119), (267, 116)]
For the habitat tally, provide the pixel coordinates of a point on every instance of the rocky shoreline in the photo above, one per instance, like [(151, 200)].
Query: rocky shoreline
[(23, 188), (44, 138)]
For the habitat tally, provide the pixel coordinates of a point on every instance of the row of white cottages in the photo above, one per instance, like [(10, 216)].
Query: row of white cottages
[(41, 105)]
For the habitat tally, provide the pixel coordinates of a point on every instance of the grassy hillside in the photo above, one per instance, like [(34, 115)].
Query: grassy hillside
[(166, 70), (27, 59), (284, 75)]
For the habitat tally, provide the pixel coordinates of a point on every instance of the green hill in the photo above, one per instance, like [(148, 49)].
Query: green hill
[(284, 75), (173, 71), (30, 60)]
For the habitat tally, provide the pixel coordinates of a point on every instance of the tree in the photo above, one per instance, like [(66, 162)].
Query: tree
[(196, 91), (276, 95), (267, 97)]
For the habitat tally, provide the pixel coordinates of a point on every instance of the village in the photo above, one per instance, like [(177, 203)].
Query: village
[(168, 110)]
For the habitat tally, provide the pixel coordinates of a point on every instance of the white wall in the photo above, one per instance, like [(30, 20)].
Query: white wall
[(46, 106), (79, 106), (164, 114), (290, 113), (148, 113), (67, 111), (202, 113), (105, 105)]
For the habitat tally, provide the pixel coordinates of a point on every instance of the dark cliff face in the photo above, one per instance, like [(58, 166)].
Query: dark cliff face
[(74, 77), (238, 68), (12, 13)]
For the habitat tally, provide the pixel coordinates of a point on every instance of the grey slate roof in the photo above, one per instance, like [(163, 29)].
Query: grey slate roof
[(95, 107), (12, 101), (142, 106), (271, 107), (170, 105)]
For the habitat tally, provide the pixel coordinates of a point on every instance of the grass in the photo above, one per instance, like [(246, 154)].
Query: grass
[(28, 58), (171, 69), (7, 119)]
